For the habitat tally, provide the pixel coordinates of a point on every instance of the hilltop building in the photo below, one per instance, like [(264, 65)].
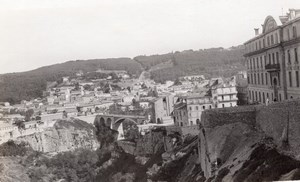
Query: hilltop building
[(272, 59)]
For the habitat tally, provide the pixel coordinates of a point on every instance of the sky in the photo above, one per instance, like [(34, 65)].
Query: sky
[(35, 33)]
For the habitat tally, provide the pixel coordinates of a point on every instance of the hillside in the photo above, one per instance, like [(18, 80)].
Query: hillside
[(209, 62), (15, 87)]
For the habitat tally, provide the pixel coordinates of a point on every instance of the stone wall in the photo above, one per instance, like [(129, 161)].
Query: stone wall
[(228, 133), (218, 117), (281, 122), (190, 130)]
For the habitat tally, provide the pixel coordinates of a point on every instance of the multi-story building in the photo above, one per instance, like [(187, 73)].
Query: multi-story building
[(224, 95), (180, 114), (163, 107), (196, 103), (273, 59)]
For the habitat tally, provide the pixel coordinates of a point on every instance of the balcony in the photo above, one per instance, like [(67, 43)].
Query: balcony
[(272, 67)]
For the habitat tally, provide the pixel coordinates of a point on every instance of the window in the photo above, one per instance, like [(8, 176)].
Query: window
[(253, 63), (279, 97), (191, 123), (259, 44), (265, 59), (289, 56), (222, 97), (257, 64), (266, 78), (272, 39), (263, 42), (256, 98), (294, 32), (297, 78), (296, 55), (268, 39), (288, 33), (276, 38), (262, 78), (190, 108), (269, 58), (264, 99), (197, 108), (254, 78), (259, 96), (248, 79), (249, 94), (277, 57), (203, 107), (209, 106), (290, 79), (258, 79), (261, 62), (272, 96), (223, 105), (273, 58)]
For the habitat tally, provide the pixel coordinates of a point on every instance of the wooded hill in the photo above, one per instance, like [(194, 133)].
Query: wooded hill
[(15, 87)]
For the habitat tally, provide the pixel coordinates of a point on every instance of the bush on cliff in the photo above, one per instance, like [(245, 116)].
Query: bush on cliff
[(11, 148), (79, 165)]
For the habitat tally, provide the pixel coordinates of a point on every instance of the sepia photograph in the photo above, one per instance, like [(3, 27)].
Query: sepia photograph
[(149, 90)]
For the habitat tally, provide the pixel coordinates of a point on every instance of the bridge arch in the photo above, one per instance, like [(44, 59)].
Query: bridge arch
[(118, 122)]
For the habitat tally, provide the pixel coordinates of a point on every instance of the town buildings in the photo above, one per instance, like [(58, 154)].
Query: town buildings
[(273, 59)]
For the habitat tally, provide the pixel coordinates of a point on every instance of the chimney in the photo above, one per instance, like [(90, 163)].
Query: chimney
[(256, 31), (283, 19)]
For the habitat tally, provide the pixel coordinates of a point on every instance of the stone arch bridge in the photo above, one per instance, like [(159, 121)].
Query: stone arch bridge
[(115, 121)]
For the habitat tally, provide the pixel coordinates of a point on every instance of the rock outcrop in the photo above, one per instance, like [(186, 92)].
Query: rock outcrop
[(253, 143), (65, 135)]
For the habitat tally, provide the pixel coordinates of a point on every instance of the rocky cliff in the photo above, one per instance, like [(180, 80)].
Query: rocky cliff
[(249, 144), (65, 135)]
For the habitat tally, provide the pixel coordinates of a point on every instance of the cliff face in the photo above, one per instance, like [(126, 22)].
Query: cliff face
[(65, 135), (250, 143)]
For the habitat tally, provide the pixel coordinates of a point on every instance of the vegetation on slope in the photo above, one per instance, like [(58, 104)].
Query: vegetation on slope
[(210, 62), (15, 87)]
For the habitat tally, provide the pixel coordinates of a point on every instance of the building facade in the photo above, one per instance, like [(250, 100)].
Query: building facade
[(224, 95), (242, 88), (272, 59), (180, 114), (196, 104)]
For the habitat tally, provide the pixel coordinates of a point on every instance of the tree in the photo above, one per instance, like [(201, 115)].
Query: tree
[(177, 82), (87, 87), (77, 87), (28, 114), (20, 124)]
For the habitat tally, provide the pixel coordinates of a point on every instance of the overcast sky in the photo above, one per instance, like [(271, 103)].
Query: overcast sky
[(35, 33)]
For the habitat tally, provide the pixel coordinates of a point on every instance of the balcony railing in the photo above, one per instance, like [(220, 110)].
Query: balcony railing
[(272, 67)]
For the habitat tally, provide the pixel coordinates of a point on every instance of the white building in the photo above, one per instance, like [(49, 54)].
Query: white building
[(224, 95)]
